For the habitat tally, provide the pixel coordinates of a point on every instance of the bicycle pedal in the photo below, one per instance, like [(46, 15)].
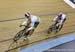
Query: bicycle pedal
[(24, 39)]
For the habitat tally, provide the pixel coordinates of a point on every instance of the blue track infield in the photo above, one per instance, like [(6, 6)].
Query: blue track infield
[(50, 44)]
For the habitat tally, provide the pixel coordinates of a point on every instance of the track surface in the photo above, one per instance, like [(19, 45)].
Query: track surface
[(12, 13)]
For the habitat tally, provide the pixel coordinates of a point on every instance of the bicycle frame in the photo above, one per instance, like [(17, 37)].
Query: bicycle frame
[(52, 28), (20, 33)]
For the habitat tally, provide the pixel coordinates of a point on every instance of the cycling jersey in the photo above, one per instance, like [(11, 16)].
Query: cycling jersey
[(61, 20), (34, 22)]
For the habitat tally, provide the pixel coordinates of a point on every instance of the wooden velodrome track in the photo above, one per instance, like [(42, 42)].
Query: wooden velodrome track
[(12, 13)]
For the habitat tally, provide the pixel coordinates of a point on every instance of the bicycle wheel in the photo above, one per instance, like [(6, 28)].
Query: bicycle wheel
[(50, 29), (18, 35)]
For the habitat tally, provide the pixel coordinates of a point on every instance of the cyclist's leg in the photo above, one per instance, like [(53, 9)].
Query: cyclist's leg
[(57, 27), (61, 26), (29, 32), (56, 24), (31, 29)]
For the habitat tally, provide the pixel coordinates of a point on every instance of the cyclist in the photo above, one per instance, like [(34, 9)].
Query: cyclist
[(59, 21), (33, 21)]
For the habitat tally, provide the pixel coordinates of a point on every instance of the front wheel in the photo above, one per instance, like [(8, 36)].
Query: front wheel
[(18, 35), (50, 29)]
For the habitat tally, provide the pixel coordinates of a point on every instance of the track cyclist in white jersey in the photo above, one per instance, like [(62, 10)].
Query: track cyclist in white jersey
[(33, 21), (59, 20)]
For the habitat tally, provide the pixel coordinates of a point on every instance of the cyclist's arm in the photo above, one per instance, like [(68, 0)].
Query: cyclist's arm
[(24, 23), (55, 19)]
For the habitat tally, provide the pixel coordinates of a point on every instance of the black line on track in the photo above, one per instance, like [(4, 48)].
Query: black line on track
[(39, 15), (11, 20)]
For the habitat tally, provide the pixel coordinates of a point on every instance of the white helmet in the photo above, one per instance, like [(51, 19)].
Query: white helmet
[(59, 15), (27, 15)]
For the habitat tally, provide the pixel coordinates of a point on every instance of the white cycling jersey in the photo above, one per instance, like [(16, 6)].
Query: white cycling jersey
[(33, 20), (62, 18)]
